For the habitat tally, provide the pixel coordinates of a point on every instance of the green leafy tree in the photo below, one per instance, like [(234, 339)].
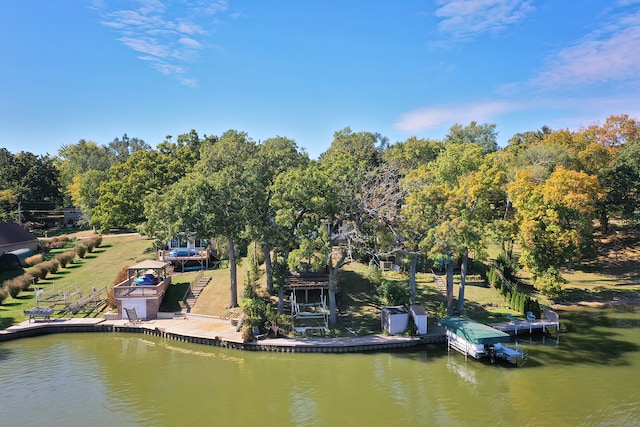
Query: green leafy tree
[(123, 148), (227, 168), (272, 158), (451, 202), (556, 217), (408, 155), (302, 198), (347, 162), (122, 194), (484, 136), (74, 160), (29, 180)]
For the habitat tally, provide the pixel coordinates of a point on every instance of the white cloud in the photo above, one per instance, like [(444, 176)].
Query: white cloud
[(436, 117), (167, 34), (189, 42), (465, 19), (610, 54), (146, 45)]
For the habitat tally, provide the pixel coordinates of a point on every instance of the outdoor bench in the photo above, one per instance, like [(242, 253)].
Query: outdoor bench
[(44, 312)]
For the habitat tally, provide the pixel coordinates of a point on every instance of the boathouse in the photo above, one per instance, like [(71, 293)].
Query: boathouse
[(143, 290)]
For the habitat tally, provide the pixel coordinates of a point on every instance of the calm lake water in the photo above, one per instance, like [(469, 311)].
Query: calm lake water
[(590, 376)]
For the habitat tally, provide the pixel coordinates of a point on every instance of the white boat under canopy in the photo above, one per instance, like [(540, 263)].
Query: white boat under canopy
[(477, 340)]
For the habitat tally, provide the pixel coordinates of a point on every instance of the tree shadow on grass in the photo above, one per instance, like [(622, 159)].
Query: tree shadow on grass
[(75, 265), (573, 295), (172, 297), (5, 322), (363, 305)]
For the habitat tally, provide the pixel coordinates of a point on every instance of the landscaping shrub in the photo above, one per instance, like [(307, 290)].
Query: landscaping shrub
[(254, 308), (247, 332), (412, 328), (58, 242), (39, 271), (27, 281), (80, 250), (508, 267), (375, 275), (111, 298), (4, 294), (23, 282), (518, 301), (34, 259), (52, 266), (88, 245), (392, 292), (92, 243), (441, 311), (65, 258), (551, 283), (14, 288), (122, 275)]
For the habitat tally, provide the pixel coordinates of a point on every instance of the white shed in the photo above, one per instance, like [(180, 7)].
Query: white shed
[(394, 319), (419, 315)]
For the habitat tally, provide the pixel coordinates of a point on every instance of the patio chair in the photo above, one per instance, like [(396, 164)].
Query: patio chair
[(257, 334), (530, 317), (132, 314)]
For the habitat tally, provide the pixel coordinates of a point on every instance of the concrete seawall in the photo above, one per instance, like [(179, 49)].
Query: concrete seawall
[(219, 333)]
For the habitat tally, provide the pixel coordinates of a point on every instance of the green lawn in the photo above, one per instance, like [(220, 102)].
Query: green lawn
[(359, 296), (97, 269)]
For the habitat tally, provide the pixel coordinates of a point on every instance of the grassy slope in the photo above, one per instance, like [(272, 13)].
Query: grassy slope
[(599, 280), (97, 269), (215, 298)]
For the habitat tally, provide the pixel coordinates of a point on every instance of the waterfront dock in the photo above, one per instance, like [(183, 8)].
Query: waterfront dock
[(524, 326), (219, 332), (550, 319)]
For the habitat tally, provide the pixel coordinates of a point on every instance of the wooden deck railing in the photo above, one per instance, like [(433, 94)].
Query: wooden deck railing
[(129, 289)]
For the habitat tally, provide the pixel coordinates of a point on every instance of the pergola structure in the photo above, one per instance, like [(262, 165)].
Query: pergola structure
[(309, 309), (159, 269)]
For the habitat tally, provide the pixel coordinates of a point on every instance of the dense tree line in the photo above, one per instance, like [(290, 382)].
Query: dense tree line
[(362, 198)]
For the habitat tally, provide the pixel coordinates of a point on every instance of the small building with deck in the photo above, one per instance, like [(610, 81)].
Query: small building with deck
[(186, 253), (143, 290)]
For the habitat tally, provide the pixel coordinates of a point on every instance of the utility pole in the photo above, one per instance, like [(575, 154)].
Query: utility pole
[(19, 212)]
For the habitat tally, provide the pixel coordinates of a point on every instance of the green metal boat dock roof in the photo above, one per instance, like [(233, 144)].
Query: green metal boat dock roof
[(473, 331)]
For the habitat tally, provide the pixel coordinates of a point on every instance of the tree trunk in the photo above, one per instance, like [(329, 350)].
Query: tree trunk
[(267, 267), (604, 222), (412, 279), (449, 287), (233, 272), (333, 285), (285, 257), (463, 281)]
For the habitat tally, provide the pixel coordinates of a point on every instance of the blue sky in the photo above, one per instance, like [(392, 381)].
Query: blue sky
[(96, 69)]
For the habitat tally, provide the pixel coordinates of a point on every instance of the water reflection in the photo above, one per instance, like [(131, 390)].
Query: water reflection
[(125, 379)]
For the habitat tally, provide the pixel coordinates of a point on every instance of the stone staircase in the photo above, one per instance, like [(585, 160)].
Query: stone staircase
[(194, 292), (441, 283)]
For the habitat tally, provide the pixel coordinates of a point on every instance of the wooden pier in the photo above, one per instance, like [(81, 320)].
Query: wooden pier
[(530, 325), (524, 326)]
